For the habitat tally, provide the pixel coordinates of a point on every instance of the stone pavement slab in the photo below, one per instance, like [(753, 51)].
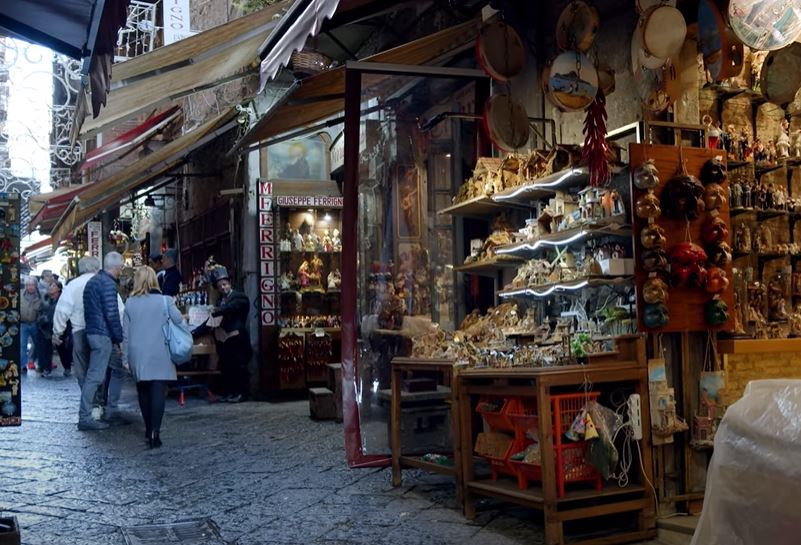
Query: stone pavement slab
[(265, 473)]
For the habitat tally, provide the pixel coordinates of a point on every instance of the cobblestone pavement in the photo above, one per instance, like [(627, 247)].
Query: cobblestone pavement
[(265, 473)]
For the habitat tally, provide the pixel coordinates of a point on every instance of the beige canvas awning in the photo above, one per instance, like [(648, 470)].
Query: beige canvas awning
[(110, 191), (218, 55), (322, 96)]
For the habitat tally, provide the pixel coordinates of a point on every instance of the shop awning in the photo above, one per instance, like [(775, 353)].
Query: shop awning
[(81, 29), (303, 20), (130, 139), (322, 96), (218, 55), (117, 187), (47, 208)]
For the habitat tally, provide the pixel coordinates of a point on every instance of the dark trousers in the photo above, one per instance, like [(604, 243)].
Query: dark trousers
[(65, 352), (234, 359), (44, 353), (151, 402)]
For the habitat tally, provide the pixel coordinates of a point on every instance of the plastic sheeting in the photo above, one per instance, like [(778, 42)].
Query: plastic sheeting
[(754, 479)]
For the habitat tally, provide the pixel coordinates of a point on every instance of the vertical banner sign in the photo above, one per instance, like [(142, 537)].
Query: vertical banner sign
[(94, 233), (176, 21), (268, 294), (10, 346)]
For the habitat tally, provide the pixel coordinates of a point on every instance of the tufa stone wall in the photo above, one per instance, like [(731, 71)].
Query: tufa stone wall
[(742, 368)]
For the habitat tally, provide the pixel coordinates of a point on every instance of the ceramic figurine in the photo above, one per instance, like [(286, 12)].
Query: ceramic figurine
[(770, 151), (744, 145), (797, 144), (769, 194), (303, 275), (297, 241), (748, 201), (726, 138), (327, 243), (783, 141), (336, 241), (736, 198), (334, 280)]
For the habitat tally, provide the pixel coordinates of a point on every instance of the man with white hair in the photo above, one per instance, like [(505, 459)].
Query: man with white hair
[(30, 301), (103, 334), (70, 308)]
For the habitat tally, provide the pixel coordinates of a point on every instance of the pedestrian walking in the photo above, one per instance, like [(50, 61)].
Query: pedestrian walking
[(69, 313), (109, 394), (44, 325), (30, 301), (145, 350), (103, 333), (233, 339)]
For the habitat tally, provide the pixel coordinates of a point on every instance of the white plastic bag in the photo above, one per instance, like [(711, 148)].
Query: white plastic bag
[(753, 486)]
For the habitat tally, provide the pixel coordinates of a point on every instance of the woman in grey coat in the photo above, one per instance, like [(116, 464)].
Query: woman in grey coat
[(145, 350)]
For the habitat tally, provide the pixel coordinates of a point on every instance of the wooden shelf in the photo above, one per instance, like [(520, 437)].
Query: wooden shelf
[(530, 248), (475, 207), (759, 171), (489, 267), (507, 489), (726, 93), (310, 329), (576, 284), (758, 346), (418, 463), (534, 190)]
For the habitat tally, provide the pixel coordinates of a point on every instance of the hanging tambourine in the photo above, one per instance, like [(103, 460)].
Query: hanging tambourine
[(657, 89), (506, 122), (781, 74), (661, 31), (606, 78), (577, 26), (645, 5), (500, 51), (572, 81), (722, 51), (765, 24)]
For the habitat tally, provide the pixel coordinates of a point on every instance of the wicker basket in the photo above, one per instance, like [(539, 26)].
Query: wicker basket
[(309, 63)]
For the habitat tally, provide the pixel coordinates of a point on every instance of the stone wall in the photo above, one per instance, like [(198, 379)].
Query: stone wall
[(742, 368)]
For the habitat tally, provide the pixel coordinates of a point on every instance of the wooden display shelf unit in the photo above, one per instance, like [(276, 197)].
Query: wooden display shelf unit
[(759, 346), (546, 290), (543, 187), (577, 503), (476, 207), (489, 267), (401, 366), (577, 236)]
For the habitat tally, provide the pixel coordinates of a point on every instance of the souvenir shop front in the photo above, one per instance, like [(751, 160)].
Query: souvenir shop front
[(554, 299)]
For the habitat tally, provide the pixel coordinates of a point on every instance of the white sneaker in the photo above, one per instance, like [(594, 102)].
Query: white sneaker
[(97, 413)]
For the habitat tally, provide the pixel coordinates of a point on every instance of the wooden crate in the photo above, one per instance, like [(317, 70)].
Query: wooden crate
[(321, 404)]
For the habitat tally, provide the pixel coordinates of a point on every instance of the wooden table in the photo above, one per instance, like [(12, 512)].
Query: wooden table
[(579, 503), (399, 461)]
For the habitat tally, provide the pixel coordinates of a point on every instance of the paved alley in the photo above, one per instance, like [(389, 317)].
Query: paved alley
[(264, 473)]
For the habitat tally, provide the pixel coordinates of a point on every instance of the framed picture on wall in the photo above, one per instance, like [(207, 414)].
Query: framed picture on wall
[(299, 159), (407, 202)]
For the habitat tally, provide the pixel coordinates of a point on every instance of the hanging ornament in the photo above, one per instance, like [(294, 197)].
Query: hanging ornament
[(595, 148)]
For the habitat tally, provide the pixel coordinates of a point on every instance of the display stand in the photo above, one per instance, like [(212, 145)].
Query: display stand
[(408, 366), (580, 501)]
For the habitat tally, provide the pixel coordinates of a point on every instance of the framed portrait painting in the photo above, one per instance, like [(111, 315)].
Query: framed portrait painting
[(299, 159), (407, 202)]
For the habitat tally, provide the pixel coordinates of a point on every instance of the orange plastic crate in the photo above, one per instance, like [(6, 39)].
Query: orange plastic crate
[(497, 420), (570, 462)]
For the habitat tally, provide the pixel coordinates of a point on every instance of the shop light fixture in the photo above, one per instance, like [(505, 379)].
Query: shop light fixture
[(558, 242), (327, 218), (547, 185), (550, 290)]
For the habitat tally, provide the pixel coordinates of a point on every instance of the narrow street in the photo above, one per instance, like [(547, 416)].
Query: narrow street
[(264, 473)]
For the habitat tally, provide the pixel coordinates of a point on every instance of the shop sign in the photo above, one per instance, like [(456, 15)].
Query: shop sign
[(176, 21), (94, 234), (318, 201), (267, 255)]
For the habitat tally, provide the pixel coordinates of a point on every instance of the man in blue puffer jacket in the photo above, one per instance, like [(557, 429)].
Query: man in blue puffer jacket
[(103, 334)]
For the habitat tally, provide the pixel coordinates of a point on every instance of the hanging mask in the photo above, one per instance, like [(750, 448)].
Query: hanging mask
[(646, 176), (714, 196), (716, 312), (713, 172), (655, 290), (683, 197), (647, 206), (654, 260), (687, 265), (716, 280), (715, 230), (653, 236), (719, 253), (655, 316)]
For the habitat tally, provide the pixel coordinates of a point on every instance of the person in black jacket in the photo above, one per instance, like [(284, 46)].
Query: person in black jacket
[(103, 334), (44, 324), (233, 339), (171, 280)]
